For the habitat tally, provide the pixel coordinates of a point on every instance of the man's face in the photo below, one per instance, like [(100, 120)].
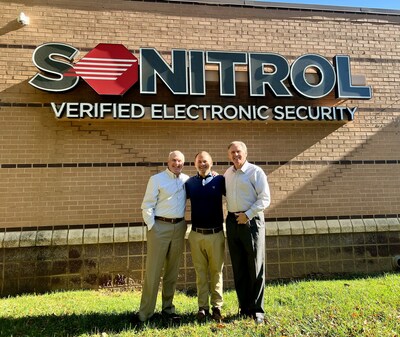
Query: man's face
[(237, 155), (175, 163), (203, 164)]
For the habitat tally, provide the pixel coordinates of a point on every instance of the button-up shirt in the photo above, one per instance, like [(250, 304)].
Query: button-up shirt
[(165, 196), (247, 190)]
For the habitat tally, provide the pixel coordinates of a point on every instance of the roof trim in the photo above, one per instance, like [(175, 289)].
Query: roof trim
[(285, 6)]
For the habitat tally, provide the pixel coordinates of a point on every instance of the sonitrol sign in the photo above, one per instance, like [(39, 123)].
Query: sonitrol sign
[(111, 69)]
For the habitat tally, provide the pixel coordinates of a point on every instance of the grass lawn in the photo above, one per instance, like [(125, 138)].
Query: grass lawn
[(357, 307)]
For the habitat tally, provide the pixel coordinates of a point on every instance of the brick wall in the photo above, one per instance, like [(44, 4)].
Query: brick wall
[(57, 174)]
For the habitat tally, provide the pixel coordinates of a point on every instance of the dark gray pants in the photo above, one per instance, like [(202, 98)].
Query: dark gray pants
[(247, 250)]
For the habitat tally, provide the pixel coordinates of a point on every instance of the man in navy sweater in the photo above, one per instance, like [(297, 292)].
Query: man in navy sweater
[(207, 240)]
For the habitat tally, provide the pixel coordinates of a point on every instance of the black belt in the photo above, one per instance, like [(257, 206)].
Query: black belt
[(207, 230), (176, 220), (234, 213)]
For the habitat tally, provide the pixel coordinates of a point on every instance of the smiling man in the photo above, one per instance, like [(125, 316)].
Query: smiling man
[(247, 195), (163, 210), (207, 240)]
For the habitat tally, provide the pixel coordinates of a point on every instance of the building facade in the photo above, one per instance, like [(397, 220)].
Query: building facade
[(312, 91)]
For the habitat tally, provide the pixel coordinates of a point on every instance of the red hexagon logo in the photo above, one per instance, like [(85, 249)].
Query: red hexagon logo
[(110, 69)]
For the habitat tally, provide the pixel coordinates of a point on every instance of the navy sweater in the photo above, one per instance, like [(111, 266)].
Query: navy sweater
[(206, 201)]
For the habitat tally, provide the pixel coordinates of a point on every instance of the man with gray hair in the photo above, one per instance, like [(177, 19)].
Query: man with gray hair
[(163, 210), (247, 195)]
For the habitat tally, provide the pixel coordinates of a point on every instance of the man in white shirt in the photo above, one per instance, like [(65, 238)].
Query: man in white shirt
[(247, 195), (163, 210)]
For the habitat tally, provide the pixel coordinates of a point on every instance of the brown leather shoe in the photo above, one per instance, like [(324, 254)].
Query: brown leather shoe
[(171, 318), (202, 315), (216, 314)]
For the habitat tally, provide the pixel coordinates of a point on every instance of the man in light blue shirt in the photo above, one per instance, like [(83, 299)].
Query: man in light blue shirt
[(247, 195), (163, 210)]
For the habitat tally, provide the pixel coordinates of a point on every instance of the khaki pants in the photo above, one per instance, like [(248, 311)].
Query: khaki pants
[(165, 244), (208, 253)]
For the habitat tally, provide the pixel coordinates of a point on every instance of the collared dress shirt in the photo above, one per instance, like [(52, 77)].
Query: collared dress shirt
[(240, 196), (165, 196)]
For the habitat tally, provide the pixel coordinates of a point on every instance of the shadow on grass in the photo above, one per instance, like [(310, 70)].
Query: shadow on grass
[(65, 325), (93, 323), (329, 277)]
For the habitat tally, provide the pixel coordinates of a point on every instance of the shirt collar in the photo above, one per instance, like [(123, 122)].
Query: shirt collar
[(206, 179), (243, 168), (207, 176), (171, 174)]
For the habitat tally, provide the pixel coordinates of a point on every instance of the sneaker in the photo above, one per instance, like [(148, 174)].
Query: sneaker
[(202, 315), (216, 314)]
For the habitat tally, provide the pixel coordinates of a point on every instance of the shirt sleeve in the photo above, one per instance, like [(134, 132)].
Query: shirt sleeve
[(149, 202), (263, 194), (187, 189)]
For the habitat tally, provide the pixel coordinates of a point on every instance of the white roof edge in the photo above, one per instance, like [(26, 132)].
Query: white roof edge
[(284, 5)]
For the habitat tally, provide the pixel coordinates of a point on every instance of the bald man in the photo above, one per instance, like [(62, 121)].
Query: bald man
[(206, 239)]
